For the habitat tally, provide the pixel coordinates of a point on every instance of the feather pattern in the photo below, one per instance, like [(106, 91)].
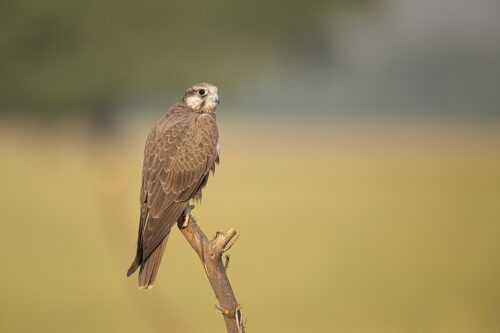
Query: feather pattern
[(179, 154)]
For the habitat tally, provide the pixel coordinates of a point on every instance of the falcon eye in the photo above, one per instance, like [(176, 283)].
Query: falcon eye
[(202, 92)]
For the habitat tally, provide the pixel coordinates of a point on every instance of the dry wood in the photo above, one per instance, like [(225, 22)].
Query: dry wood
[(210, 253)]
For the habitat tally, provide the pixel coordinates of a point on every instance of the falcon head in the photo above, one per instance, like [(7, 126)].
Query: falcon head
[(202, 97)]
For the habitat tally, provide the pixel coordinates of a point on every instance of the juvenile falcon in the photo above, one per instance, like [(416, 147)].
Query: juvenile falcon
[(180, 152)]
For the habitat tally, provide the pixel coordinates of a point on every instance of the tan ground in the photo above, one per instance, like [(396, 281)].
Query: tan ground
[(344, 228)]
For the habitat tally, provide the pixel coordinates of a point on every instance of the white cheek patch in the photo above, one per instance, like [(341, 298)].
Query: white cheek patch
[(219, 149), (193, 102)]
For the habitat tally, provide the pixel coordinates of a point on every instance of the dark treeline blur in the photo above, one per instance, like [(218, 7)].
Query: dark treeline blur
[(90, 56), (98, 59)]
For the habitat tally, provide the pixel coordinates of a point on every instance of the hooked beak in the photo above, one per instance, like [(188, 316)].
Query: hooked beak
[(215, 98)]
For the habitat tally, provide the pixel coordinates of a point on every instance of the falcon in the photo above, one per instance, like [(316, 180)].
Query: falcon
[(180, 152)]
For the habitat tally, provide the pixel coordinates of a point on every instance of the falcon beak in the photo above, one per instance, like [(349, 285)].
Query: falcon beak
[(214, 97)]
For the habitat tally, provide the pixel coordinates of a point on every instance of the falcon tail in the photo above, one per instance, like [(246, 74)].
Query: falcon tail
[(134, 265), (149, 268)]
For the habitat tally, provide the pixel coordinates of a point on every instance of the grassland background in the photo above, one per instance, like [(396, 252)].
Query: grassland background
[(361, 163), (346, 226)]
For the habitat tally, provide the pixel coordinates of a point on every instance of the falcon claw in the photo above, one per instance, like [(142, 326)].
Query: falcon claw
[(187, 212), (185, 223), (188, 209)]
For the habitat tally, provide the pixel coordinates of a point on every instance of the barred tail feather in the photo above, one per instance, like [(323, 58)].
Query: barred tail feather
[(149, 268)]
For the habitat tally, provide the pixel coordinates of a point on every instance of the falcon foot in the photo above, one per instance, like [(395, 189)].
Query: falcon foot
[(187, 211)]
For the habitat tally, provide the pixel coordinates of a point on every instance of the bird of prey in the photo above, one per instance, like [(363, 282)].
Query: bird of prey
[(180, 152)]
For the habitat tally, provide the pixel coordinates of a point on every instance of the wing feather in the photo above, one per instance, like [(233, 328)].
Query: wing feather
[(180, 152)]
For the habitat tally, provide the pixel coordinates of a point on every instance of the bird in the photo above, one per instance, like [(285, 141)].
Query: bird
[(180, 152)]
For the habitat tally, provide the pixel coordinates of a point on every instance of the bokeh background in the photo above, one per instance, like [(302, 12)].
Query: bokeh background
[(361, 163)]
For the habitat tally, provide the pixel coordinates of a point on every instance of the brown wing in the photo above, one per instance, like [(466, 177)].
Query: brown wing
[(179, 154)]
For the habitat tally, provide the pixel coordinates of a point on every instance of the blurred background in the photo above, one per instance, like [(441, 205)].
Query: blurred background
[(361, 163)]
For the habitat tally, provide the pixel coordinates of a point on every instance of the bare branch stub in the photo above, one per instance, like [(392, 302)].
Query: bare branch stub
[(210, 253)]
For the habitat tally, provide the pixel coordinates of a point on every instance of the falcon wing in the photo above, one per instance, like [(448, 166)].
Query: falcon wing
[(179, 154)]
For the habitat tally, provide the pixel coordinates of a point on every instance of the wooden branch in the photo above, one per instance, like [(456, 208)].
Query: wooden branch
[(210, 253)]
